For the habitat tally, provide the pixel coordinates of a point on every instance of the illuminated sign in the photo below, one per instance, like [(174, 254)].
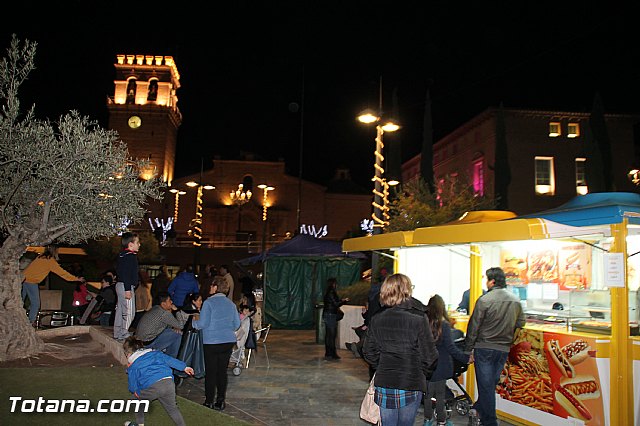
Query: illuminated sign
[(311, 230)]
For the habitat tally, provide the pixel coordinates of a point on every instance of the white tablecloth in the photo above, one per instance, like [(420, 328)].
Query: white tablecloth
[(352, 318)]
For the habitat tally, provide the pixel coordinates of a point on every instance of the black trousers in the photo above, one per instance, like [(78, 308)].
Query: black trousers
[(330, 341), (216, 361)]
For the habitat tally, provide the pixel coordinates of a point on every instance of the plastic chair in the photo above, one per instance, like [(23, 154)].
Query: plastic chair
[(261, 337)]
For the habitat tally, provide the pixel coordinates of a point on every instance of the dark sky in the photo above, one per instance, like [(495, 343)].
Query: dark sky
[(242, 66)]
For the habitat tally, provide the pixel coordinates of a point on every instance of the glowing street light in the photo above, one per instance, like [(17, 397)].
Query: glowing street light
[(176, 204), (240, 197), (380, 213), (265, 205)]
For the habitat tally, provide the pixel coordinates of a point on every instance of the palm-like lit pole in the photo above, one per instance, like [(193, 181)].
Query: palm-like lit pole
[(380, 214), (265, 206), (196, 231)]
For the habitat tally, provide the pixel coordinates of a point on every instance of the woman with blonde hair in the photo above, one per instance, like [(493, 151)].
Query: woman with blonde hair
[(400, 347)]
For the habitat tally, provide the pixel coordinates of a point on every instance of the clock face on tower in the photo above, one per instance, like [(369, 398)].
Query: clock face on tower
[(135, 121)]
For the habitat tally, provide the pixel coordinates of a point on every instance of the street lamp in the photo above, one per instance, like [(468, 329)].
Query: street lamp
[(240, 197), (197, 221), (380, 214), (176, 204), (265, 205)]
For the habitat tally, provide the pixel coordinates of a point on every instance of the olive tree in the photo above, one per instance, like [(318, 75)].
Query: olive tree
[(66, 181)]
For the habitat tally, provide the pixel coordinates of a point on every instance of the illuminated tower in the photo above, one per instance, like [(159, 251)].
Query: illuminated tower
[(144, 109)]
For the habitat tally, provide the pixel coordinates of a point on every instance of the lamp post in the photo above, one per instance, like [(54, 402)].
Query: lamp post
[(240, 197), (176, 203), (196, 222), (265, 205), (380, 214)]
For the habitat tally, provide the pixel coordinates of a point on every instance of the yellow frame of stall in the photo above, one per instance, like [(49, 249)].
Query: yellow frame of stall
[(473, 230)]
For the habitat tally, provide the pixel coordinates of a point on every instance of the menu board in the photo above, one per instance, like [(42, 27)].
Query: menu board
[(554, 373), (568, 266)]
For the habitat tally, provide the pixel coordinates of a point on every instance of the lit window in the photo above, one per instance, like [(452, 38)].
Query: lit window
[(554, 129), (478, 177), (545, 178), (581, 178), (573, 130)]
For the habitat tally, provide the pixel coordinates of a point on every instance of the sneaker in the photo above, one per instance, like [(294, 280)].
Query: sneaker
[(130, 424), (427, 422), (219, 406)]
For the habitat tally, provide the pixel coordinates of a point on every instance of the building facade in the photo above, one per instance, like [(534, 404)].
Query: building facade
[(546, 154), (144, 112), (269, 215)]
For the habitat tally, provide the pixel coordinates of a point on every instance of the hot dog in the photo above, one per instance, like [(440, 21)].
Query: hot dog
[(560, 359), (576, 351), (574, 407), (583, 387)]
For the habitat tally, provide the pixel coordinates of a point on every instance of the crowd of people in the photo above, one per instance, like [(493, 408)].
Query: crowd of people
[(408, 346), (149, 317)]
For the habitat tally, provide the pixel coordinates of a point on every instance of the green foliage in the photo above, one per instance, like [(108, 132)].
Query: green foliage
[(414, 206), (357, 293), (68, 181)]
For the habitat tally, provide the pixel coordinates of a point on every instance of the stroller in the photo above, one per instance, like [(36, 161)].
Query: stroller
[(245, 339), (461, 402)]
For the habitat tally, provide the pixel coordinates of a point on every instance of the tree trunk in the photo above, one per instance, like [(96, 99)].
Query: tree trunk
[(18, 339)]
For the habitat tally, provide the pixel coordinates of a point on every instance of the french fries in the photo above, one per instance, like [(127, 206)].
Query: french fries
[(529, 386)]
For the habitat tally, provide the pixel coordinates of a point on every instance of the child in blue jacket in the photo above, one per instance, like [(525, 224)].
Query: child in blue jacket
[(151, 377)]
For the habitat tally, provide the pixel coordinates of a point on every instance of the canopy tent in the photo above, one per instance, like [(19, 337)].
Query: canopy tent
[(600, 208), (295, 273)]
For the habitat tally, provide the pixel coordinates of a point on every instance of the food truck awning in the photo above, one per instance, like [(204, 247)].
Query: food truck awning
[(601, 208), (378, 242), (466, 233), (504, 230)]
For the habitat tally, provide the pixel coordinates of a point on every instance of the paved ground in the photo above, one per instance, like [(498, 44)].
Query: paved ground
[(297, 386), (287, 383)]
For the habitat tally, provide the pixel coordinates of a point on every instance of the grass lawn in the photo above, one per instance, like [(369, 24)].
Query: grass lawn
[(87, 383)]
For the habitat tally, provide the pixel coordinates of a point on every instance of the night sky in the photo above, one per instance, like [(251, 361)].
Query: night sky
[(243, 66)]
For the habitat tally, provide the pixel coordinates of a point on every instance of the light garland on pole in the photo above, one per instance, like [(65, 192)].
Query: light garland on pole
[(265, 205)]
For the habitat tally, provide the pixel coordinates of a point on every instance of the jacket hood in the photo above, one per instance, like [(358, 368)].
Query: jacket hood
[(137, 354)]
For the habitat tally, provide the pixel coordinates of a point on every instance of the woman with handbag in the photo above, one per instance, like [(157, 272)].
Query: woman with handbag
[(332, 303), (400, 346)]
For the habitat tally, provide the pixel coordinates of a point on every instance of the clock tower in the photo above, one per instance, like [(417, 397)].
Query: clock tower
[(144, 110)]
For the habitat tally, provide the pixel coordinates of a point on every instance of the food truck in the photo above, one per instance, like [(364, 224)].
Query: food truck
[(576, 271)]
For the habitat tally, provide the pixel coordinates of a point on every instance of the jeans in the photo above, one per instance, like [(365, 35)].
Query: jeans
[(32, 291), (488, 365), (167, 341), (331, 332), (403, 416), (104, 318)]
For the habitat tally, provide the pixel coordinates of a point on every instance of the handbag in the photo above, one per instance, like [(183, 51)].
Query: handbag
[(339, 314), (192, 353), (369, 410)]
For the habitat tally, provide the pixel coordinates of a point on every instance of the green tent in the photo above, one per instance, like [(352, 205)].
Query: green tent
[(295, 274)]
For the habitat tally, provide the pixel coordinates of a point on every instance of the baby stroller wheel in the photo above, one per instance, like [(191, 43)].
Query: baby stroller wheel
[(236, 371), (462, 407)]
